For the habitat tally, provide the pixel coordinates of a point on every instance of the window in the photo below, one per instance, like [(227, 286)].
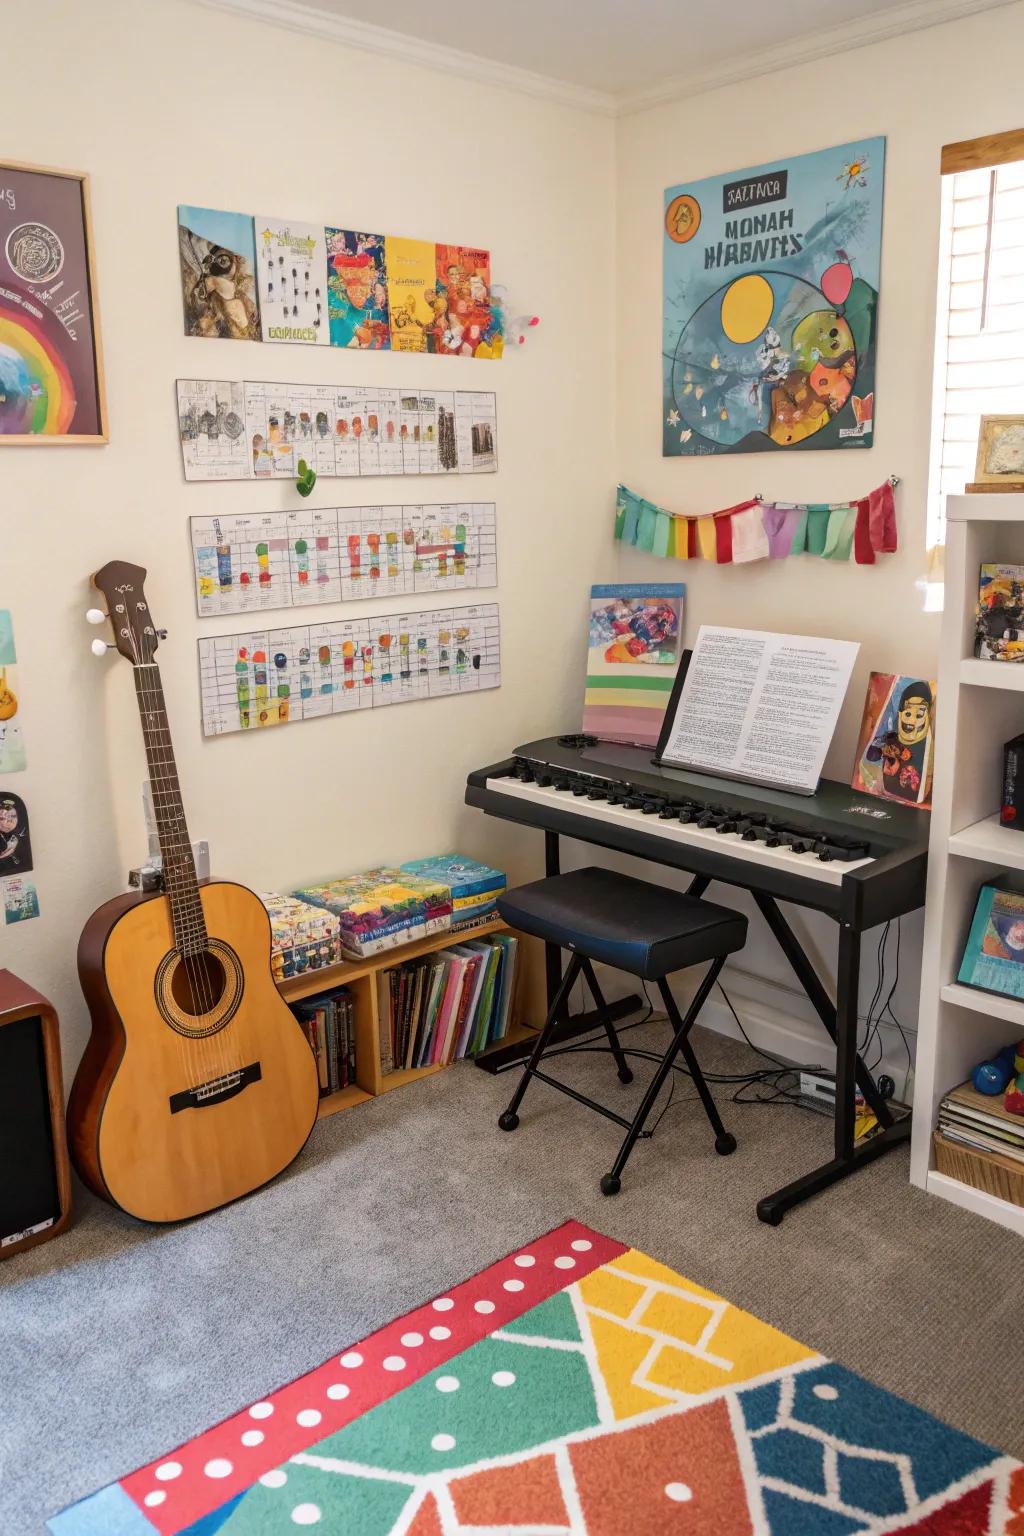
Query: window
[(979, 348)]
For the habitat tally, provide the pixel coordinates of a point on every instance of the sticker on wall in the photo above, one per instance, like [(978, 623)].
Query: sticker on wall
[(20, 900), (357, 290), (291, 265), (15, 844), (12, 747), (218, 273), (770, 305)]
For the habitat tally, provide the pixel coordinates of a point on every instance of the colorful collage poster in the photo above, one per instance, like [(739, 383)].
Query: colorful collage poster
[(632, 660), (412, 291), (465, 324), (291, 265), (896, 746), (218, 274), (51, 380), (357, 290), (770, 305)]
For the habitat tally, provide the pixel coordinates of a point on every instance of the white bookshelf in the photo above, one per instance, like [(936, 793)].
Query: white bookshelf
[(980, 706)]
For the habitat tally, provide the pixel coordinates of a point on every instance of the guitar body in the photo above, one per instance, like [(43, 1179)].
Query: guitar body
[(198, 1084)]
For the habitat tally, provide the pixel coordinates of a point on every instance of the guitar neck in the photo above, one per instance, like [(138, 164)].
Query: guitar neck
[(179, 870)]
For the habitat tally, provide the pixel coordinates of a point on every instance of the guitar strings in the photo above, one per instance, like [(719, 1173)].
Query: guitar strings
[(163, 799)]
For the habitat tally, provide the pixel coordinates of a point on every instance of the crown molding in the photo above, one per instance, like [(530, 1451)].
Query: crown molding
[(896, 20), (349, 32)]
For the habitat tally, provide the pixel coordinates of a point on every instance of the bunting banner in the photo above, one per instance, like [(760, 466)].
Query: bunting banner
[(763, 530)]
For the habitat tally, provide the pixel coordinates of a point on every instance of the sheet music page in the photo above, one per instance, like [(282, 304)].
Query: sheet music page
[(761, 706)]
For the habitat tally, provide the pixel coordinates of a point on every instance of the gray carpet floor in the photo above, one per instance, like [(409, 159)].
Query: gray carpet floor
[(118, 1341)]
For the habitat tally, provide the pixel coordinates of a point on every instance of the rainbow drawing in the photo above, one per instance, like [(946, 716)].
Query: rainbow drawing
[(36, 393), (633, 655)]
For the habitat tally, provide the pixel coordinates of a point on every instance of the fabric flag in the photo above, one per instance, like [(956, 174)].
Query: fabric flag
[(756, 530)]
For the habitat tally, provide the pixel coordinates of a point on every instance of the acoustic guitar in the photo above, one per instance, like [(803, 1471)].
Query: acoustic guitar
[(198, 1084)]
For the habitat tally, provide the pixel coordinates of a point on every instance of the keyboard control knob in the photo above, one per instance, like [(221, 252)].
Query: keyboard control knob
[(597, 794), (750, 836), (726, 826), (649, 807), (561, 783), (543, 779), (798, 847), (774, 841), (579, 790), (631, 803), (706, 820), (667, 813), (825, 855), (685, 816)]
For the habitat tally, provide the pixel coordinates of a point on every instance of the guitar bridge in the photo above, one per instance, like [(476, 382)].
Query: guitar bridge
[(217, 1089)]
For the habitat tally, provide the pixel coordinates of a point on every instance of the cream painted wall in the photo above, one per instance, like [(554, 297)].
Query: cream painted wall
[(931, 88), (171, 102)]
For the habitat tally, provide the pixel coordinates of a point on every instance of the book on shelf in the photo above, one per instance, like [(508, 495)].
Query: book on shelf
[(993, 958), (441, 1007), (329, 1024), (980, 1121)]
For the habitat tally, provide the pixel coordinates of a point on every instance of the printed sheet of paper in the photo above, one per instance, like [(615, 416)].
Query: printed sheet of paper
[(277, 676), (251, 564), (761, 707), (291, 267), (211, 423), (260, 431), (12, 746)]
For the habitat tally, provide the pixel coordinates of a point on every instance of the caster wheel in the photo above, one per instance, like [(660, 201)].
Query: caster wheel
[(625, 1076), (610, 1185), (508, 1121), (725, 1144)]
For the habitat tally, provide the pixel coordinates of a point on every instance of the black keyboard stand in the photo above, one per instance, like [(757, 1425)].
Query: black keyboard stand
[(840, 1021)]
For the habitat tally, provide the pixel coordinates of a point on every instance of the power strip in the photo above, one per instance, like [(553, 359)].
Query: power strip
[(818, 1092)]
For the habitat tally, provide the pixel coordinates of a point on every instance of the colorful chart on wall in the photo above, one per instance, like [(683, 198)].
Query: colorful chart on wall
[(217, 251), (278, 676), (254, 563), (258, 431), (771, 305), (51, 381)]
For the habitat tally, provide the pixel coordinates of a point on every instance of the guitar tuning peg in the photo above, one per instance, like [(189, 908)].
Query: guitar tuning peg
[(100, 647), (161, 634), (95, 616)]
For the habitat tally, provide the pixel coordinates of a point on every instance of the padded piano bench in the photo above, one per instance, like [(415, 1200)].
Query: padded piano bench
[(597, 914)]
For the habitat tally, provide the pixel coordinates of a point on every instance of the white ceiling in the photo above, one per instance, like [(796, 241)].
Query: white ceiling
[(609, 55), (613, 46)]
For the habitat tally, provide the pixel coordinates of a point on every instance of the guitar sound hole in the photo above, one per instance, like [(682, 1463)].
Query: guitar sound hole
[(198, 983)]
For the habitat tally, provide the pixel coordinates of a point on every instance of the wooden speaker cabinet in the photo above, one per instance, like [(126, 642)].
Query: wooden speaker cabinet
[(35, 1178)]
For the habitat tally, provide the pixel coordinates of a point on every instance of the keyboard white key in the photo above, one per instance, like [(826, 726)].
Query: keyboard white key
[(731, 844)]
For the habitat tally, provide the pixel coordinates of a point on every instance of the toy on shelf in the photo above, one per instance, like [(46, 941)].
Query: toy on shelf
[(1003, 1074)]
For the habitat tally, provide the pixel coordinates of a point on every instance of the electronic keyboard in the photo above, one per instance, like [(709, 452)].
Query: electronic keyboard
[(857, 857)]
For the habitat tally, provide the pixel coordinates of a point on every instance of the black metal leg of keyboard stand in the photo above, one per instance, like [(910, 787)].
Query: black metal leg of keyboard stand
[(847, 985), (552, 953), (848, 1157)]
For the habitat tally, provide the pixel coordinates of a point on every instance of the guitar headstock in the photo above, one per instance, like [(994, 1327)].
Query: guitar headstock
[(135, 634)]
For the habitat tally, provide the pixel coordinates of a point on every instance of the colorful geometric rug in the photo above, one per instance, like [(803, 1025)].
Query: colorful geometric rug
[(576, 1388)]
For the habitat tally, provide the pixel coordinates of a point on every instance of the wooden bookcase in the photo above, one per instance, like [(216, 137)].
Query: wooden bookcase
[(980, 706), (360, 977)]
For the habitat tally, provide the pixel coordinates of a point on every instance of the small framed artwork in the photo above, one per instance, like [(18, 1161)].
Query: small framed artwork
[(51, 363), (1000, 465)]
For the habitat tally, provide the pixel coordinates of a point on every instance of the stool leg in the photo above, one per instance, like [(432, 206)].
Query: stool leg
[(612, 1182), (625, 1074), (510, 1119), (725, 1142)]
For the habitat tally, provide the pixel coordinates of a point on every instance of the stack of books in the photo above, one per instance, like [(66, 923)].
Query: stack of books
[(474, 887), (329, 1022), (446, 1005), (979, 1120), (303, 937), (382, 908)]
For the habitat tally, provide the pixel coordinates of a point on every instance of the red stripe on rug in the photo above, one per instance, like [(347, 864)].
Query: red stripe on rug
[(201, 1475)]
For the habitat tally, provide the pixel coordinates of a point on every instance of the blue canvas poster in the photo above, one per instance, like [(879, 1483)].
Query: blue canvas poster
[(771, 305)]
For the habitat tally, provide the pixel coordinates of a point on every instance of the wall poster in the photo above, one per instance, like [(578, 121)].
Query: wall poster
[(51, 369), (770, 305)]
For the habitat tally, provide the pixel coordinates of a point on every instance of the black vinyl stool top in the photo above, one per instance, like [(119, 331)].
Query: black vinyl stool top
[(631, 924)]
